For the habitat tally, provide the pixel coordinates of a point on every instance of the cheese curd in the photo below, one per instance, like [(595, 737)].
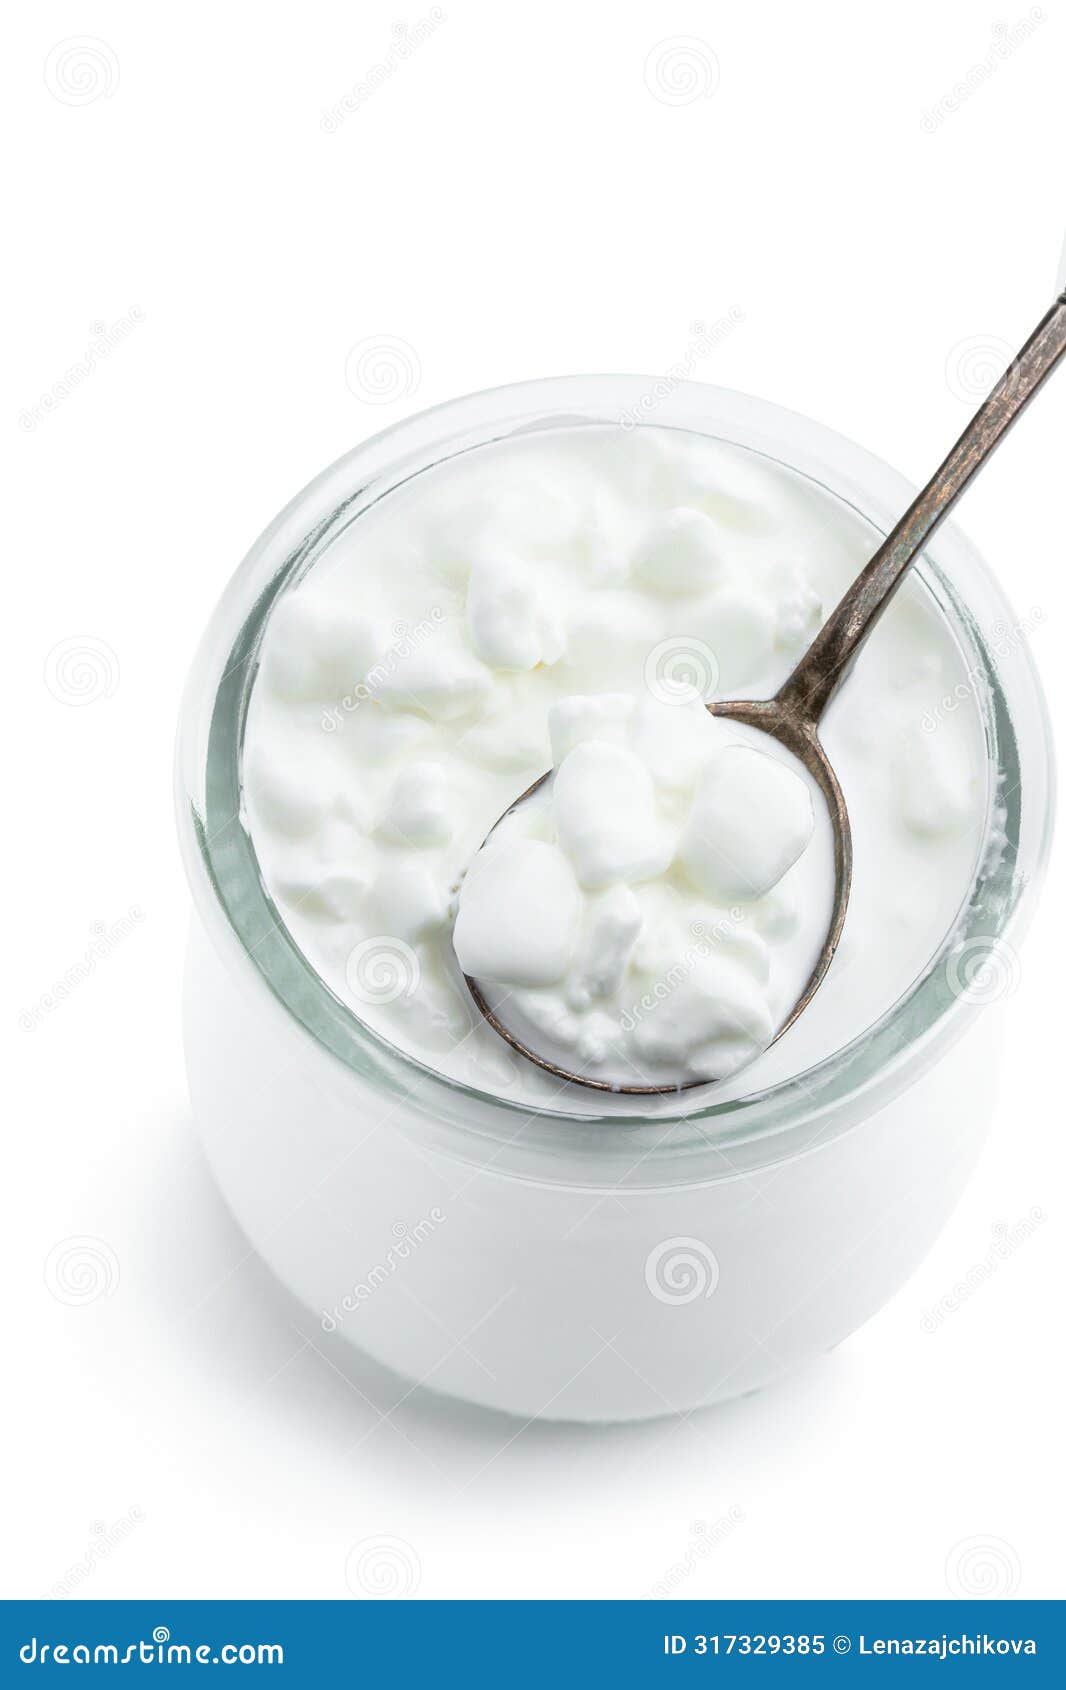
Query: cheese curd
[(570, 601), (615, 919)]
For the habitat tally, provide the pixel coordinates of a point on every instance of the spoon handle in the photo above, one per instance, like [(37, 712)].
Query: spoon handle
[(820, 671)]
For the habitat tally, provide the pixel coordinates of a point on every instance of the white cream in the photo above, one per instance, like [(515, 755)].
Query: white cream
[(553, 600)]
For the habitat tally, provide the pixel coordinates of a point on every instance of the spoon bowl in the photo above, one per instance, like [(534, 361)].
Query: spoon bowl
[(799, 737)]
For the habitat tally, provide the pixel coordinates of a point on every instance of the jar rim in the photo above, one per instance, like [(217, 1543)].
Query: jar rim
[(723, 1138)]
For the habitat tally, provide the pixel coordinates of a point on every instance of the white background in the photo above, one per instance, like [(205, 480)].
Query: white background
[(522, 197)]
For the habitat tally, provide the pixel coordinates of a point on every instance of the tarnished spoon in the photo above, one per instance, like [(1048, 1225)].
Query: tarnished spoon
[(793, 715)]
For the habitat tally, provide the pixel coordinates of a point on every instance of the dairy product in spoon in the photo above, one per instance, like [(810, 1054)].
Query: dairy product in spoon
[(617, 920), (545, 600)]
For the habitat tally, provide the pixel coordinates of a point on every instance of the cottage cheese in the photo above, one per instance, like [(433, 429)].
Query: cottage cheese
[(569, 600)]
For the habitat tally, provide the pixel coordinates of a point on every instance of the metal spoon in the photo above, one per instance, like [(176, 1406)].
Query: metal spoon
[(793, 715)]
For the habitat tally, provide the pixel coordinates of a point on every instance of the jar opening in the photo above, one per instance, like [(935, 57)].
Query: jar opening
[(767, 1123)]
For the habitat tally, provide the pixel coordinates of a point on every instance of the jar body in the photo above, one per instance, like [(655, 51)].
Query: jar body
[(547, 1265), (556, 1301)]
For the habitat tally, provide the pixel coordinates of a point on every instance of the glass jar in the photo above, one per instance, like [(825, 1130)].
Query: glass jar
[(586, 1266)]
